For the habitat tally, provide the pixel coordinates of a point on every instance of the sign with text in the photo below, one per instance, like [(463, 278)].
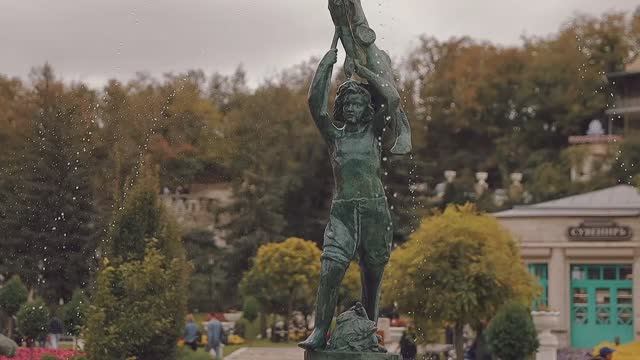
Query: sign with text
[(599, 230)]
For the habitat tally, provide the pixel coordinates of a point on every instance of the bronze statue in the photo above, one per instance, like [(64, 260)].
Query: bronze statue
[(358, 40), (360, 223)]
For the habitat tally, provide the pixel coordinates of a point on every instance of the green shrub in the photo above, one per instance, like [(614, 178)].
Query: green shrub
[(137, 310), (240, 328), (12, 295), (49, 357), (139, 304), (33, 320), (250, 308), (74, 313), (511, 334)]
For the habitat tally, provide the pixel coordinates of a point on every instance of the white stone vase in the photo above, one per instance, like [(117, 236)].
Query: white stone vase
[(545, 321)]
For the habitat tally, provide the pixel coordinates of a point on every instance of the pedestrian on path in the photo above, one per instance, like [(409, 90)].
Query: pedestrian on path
[(56, 329), (216, 337), (408, 348), (191, 333)]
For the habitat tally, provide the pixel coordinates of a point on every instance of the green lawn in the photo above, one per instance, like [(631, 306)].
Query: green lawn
[(188, 354)]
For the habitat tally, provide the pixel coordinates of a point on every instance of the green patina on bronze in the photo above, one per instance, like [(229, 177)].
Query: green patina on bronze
[(358, 40), (360, 223), (339, 355), (354, 332)]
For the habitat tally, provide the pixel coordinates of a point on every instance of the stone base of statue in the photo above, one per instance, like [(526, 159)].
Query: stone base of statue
[(344, 355), (354, 338)]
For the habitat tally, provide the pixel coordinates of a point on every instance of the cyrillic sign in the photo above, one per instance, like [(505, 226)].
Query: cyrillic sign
[(599, 230)]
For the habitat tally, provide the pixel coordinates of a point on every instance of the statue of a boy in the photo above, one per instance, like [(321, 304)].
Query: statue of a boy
[(360, 222)]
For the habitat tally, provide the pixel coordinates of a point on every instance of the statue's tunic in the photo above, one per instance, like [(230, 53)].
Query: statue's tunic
[(360, 222)]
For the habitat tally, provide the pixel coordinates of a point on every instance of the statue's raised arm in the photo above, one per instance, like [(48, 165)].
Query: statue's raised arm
[(319, 93), (358, 40), (390, 98)]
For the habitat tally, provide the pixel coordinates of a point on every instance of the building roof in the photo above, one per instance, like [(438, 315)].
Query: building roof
[(633, 66), (630, 69), (621, 200)]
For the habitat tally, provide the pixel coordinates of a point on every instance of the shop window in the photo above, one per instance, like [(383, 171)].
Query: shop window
[(626, 272), (610, 273), (593, 273), (603, 306), (580, 306), (625, 306), (577, 273), (540, 271)]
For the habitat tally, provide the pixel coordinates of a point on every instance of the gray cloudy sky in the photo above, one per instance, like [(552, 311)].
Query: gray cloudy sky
[(93, 40)]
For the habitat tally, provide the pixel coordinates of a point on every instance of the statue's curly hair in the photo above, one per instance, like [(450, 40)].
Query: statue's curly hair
[(351, 87)]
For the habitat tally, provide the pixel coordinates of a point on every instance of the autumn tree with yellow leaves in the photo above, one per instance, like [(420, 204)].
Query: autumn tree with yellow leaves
[(283, 275), (458, 268)]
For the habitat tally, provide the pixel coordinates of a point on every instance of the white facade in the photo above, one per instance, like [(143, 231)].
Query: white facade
[(589, 246)]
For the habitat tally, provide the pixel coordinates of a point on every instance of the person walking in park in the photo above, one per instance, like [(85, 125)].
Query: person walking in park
[(191, 333), (215, 337), (408, 348), (56, 329)]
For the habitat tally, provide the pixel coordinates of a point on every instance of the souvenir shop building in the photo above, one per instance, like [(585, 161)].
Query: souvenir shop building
[(585, 250)]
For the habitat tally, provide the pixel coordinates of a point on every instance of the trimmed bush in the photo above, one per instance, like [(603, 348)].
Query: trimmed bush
[(250, 309), (511, 334), (33, 320), (12, 295), (74, 313)]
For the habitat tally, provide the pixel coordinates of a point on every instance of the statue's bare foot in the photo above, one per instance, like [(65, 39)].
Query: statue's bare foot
[(315, 341)]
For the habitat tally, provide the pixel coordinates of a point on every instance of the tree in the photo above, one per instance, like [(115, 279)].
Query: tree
[(33, 320), (459, 267), (511, 334), (143, 219), (12, 295), (54, 222), (475, 106), (138, 309), (74, 313), (205, 288), (283, 275), (279, 164), (139, 303)]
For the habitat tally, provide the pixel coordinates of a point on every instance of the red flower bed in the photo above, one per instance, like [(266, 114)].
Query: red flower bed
[(25, 354)]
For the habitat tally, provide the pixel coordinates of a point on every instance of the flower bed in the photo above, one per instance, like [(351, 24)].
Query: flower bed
[(38, 353)]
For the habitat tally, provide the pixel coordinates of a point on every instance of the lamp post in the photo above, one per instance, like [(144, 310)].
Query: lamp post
[(211, 263)]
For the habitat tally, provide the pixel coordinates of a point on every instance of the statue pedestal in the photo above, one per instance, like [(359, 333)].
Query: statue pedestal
[(340, 355)]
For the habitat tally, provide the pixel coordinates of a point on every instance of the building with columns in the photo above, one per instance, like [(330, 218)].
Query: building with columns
[(585, 250)]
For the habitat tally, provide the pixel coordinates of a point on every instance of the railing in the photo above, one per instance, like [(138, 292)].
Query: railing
[(625, 105), (186, 204)]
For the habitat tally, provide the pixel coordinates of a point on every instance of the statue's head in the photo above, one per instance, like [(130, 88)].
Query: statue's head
[(353, 104)]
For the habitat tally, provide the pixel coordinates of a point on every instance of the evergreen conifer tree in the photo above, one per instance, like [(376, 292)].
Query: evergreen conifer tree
[(139, 303)]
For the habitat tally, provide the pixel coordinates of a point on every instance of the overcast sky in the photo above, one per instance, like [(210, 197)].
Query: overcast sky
[(94, 40)]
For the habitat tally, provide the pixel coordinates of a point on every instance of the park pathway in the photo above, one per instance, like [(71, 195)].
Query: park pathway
[(258, 353)]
